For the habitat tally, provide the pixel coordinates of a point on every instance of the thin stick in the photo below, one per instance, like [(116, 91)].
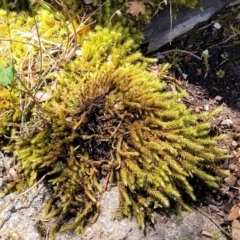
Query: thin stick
[(213, 221), (21, 194), (171, 23), (106, 182), (178, 50), (118, 126), (170, 78)]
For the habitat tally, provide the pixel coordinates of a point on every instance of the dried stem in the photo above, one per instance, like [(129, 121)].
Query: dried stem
[(21, 194)]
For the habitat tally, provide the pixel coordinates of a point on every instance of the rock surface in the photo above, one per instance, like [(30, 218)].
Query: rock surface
[(162, 30), (22, 219)]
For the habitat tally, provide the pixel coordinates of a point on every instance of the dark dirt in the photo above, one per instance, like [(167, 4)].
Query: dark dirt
[(209, 85)]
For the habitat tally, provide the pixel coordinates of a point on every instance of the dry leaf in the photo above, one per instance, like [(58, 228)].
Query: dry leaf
[(135, 8), (234, 214), (54, 86), (236, 229), (208, 234), (43, 96), (12, 175)]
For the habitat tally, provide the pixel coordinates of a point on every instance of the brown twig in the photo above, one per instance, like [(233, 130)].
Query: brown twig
[(213, 221), (170, 78), (178, 50), (118, 126), (223, 42), (106, 182)]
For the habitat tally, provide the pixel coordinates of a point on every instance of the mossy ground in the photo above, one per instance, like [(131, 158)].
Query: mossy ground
[(83, 107)]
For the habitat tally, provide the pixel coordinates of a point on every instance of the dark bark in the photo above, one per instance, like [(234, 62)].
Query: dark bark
[(159, 31)]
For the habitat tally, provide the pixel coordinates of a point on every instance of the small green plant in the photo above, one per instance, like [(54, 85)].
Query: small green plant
[(206, 56), (234, 10), (220, 73), (224, 56), (6, 73), (174, 59)]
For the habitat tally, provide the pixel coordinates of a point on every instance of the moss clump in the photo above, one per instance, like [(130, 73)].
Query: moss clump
[(107, 117)]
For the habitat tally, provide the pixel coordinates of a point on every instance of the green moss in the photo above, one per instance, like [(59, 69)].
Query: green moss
[(107, 118), (9, 112)]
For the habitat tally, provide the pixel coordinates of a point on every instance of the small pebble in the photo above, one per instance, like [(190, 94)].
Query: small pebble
[(234, 143), (230, 180), (160, 56), (218, 98), (234, 153), (205, 52), (185, 75), (217, 25), (12, 174), (227, 122), (231, 166), (30, 212), (197, 110)]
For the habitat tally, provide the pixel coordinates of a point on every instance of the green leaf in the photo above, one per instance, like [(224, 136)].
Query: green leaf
[(46, 7), (6, 74)]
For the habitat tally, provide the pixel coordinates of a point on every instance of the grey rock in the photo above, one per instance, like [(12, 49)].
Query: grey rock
[(21, 216), (230, 180)]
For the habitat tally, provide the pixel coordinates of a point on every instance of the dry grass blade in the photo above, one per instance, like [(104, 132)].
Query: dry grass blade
[(21, 194)]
